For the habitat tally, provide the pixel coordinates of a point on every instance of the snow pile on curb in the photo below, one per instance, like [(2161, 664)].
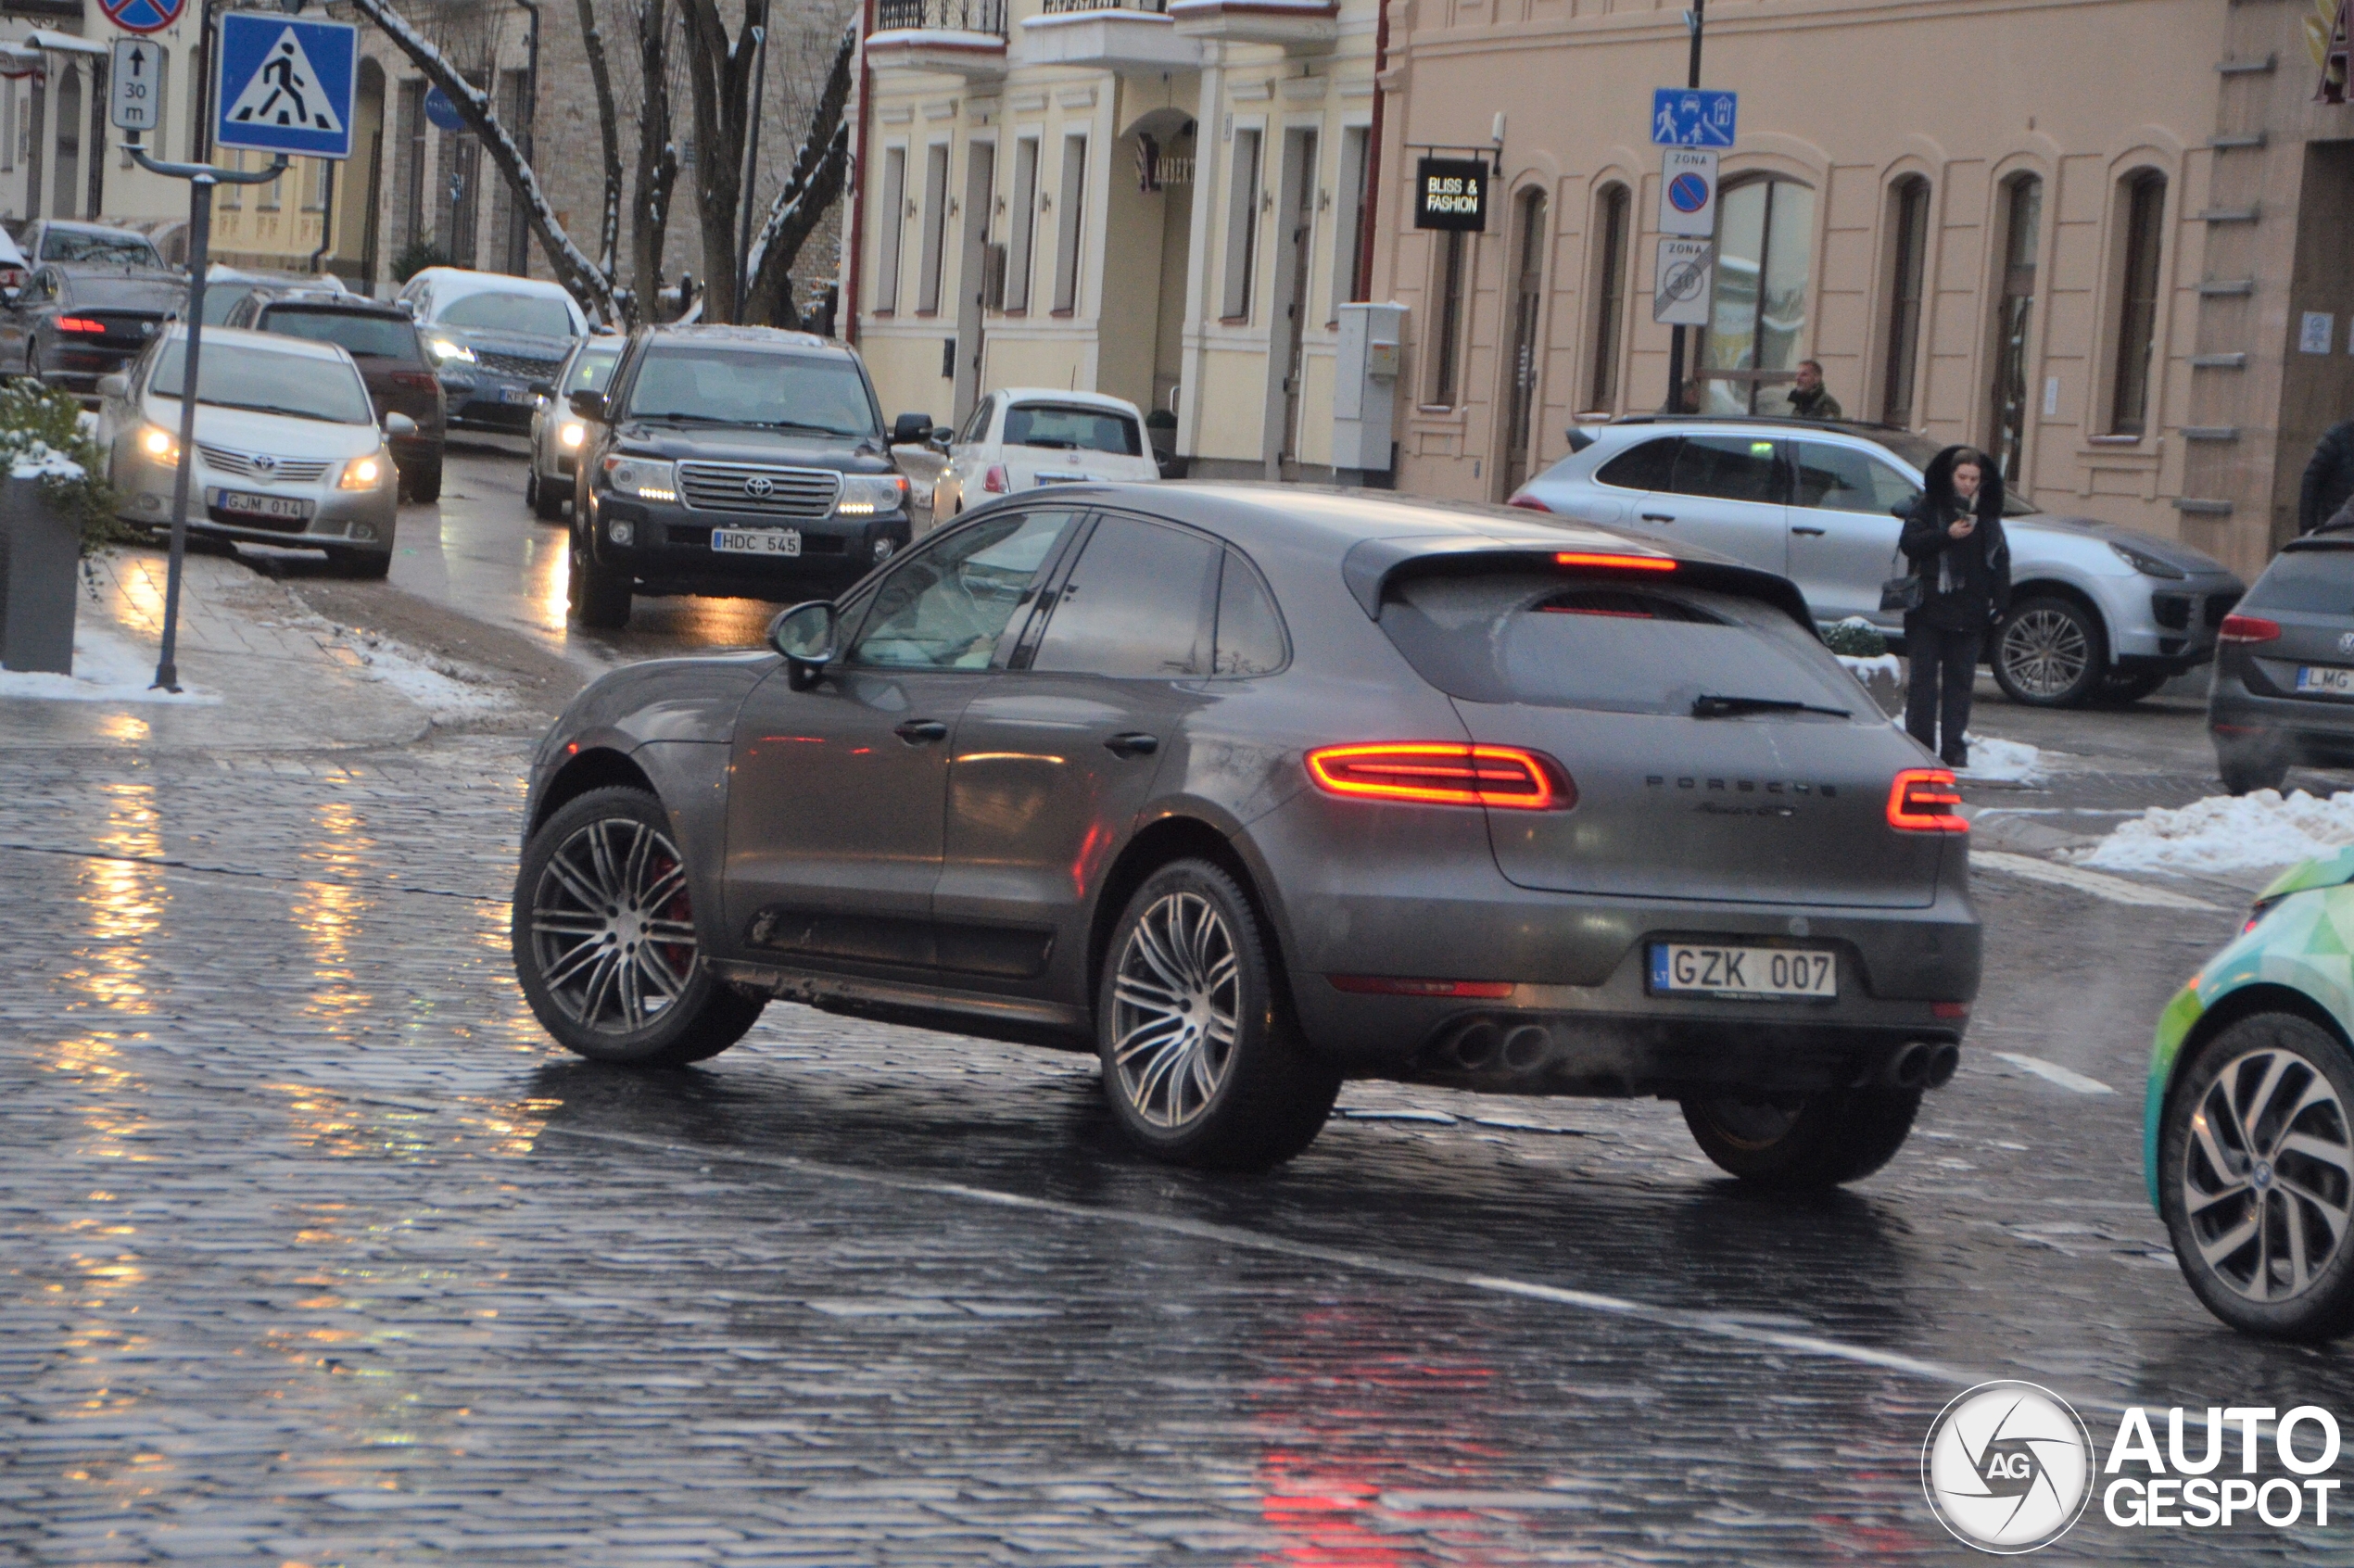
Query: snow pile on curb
[(446, 690), (2222, 833), (1868, 670), (2002, 761), (106, 669), (40, 461)]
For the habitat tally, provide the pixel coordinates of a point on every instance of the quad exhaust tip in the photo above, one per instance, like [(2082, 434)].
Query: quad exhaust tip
[(1943, 1062)]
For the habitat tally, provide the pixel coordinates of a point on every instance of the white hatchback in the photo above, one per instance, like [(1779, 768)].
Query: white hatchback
[(1022, 437)]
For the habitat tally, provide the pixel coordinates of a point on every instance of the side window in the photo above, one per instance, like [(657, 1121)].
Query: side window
[(1738, 468), (1641, 468), (1138, 605), (977, 427), (947, 605), (1846, 479), (1250, 632)]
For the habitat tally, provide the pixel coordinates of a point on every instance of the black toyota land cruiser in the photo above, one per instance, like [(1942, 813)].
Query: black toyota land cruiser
[(742, 463)]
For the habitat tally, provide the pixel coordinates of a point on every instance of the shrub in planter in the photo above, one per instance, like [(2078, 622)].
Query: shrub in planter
[(56, 509), (1855, 637)]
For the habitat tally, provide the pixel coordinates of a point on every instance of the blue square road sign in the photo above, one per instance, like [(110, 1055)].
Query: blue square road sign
[(285, 85), (1693, 116)]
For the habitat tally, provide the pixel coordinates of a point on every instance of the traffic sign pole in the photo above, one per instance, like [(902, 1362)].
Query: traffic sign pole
[(1698, 19)]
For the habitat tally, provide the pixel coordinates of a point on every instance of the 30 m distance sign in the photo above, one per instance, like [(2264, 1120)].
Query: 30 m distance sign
[(1451, 193)]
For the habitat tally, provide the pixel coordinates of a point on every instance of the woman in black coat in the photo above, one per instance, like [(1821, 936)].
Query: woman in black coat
[(1953, 539)]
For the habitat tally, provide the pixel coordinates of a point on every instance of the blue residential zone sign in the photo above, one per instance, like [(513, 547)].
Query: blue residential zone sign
[(285, 85), (1693, 117)]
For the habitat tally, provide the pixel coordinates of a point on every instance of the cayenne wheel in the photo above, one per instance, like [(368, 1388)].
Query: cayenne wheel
[(426, 488), (1202, 1063), (2256, 1162), (1793, 1142), (605, 941), (2049, 652)]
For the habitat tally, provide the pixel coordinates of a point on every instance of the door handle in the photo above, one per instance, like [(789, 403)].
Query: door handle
[(1657, 517), (1132, 745), (1810, 533), (916, 732)]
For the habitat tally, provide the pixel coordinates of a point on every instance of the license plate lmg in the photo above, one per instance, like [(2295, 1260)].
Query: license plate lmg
[(1696, 969)]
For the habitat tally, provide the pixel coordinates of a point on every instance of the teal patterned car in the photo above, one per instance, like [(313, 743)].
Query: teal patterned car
[(2246, 1138)]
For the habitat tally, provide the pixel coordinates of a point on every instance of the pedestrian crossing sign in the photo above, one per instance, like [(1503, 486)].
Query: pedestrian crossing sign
[(285, 85)]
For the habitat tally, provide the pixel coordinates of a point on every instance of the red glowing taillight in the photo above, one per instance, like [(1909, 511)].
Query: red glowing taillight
[(1529, 503), (1923, 800), (1613, 561), (80, 323), (423, 381), (995, 481), (2248, 629), (1444, 773)]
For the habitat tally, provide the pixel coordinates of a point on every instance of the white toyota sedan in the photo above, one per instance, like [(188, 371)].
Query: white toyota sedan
[(1022, 437), (287, 447)]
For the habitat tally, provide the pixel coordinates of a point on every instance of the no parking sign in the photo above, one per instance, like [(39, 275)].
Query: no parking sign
[(1687, 192)]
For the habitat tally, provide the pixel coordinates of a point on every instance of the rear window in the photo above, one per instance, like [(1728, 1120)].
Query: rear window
[(366, 336), (2308, 582), (1557, 641), (1073, 429), (81, 244), (534, 313)]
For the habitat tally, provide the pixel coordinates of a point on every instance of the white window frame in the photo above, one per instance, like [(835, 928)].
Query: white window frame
[(1021, 227), (1070, 221), (1244, 179), (890, 228), (938, 161), (1349, 205)]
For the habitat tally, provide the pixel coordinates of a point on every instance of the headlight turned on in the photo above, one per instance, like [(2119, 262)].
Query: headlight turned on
[(572, 433), (641, 477), (365, 474), (448, 352), (869, 494), (158, 445)]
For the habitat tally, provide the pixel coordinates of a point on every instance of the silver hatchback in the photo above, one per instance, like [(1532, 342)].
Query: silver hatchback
[(2097, 612)]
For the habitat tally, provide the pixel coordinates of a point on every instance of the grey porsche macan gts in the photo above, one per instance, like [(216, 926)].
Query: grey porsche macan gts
[(1250, 789)]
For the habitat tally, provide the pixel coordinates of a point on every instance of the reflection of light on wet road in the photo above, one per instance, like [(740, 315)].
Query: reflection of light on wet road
[(548, 566), (122, 901), (328, 912)]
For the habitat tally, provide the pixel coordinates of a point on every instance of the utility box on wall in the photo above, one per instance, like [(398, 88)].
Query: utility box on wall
[(1365, 388)]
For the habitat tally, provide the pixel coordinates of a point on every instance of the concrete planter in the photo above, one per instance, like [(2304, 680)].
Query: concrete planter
[(40, 560)]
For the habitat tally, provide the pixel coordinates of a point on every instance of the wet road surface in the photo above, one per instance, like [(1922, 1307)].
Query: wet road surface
[(318, 1251)]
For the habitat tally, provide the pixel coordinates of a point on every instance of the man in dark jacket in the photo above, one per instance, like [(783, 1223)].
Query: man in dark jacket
[(2329, 477), (1809, 398), (1954, 539)]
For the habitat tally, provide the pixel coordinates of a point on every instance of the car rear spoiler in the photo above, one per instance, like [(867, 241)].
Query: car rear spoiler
[(1370, 564)]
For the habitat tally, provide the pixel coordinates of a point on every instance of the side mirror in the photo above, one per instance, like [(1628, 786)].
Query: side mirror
[(942, 436), (115, 386), (12, 297), (543, 388), (911, 430), (805, 635), (588, 405), (399, 427)]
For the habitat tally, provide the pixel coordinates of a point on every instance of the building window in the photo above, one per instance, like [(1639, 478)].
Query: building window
[(1021, 227), (935, 235), (2145, 212), (2014, 315), (890, 222), (1447, 287), (1242, 227), (1908, 223), (1348, 249), (8, 123), (266, 194), (1613, 216), (409, 127), (1756, 332), (1071, 207)]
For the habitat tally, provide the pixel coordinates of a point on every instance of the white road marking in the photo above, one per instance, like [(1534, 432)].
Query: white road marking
[(2117, 890), (2053, 1072)]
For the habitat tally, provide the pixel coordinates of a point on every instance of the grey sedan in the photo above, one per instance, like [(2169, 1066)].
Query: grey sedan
[(1250, 789)]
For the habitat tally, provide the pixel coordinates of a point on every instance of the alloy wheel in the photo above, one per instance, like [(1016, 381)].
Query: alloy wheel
[(1176, 1006), (611, 927), (2268, 1175), (2046, 651)]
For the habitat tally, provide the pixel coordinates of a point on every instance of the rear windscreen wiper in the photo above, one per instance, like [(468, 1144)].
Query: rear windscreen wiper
[(1710, 706)]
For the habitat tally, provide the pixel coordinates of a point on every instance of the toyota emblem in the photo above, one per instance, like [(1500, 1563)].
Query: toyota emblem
[(759, 485), (265, 463)]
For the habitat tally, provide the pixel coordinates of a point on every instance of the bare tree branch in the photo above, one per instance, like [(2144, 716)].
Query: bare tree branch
[(657, 155), (719, 79), (592, 40), (811, 187)]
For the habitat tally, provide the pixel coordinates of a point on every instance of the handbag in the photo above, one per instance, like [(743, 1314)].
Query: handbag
[(1900, 595)]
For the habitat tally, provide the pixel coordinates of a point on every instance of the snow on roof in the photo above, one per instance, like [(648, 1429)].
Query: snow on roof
[(934, 38)]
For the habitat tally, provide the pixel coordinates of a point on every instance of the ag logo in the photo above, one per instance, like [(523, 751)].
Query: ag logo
[(2007, 1467)]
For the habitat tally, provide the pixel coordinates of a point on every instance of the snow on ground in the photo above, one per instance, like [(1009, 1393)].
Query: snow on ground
[(445, 688), (2002, 761), (1865, 670), (2222, 833), (106, 669)]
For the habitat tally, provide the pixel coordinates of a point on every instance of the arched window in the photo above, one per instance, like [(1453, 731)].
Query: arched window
[(1908, 259), (2022, 215), (2142, 206), (1613, 214), (1765, 264)]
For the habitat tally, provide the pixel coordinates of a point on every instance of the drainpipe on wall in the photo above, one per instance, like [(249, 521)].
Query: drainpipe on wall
[(846, 323), (1360, 288)]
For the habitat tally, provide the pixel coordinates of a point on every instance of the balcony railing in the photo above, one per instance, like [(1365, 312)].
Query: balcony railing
[(942, 16), (1065, 7)]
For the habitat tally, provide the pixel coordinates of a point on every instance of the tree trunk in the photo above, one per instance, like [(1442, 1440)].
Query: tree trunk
[(592, 40), (812, 185), (657, 160), (720, 80)]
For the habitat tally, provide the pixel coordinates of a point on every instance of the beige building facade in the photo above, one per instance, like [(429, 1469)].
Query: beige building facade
[(1159, 200), (2106, 239)]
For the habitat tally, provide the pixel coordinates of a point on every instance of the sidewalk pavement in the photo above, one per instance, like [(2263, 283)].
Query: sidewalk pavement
[(285, 678)]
